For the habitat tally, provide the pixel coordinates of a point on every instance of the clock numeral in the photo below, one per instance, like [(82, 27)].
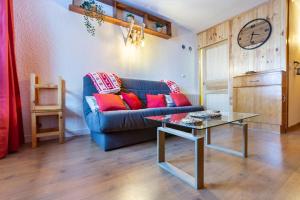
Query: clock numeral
[(240, 38), (252, 26), (266, 30)]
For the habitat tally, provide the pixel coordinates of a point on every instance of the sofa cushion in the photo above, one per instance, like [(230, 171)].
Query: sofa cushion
[(143, 87), (91, 101), (132, 100), (124, 120), (108, 102), (156, 101), (180, 99), (174, 88), (139, 87), (169, 101)]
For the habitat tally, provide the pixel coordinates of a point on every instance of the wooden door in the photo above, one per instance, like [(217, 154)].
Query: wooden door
[(215, 76)]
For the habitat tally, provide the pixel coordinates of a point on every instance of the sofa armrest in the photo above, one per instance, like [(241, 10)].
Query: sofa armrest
[(93, 121)]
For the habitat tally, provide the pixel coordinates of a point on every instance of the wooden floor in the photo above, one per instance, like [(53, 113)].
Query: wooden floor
[(78, 169)]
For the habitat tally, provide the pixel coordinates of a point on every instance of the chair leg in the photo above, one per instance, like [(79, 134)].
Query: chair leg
[(33, 131), (61, 128)]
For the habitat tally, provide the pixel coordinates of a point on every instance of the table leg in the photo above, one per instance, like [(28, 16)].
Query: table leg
[(243, 153), (208, 136), (199, 163), (198, 180), (160, 146), (245, 140)]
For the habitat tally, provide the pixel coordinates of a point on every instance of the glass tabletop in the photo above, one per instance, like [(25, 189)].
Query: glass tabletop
[(199, 123)]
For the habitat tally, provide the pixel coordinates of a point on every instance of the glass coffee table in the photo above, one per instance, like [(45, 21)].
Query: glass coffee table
[(200, 130)]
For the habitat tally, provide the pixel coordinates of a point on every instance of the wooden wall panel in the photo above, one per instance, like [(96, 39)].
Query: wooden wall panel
[(265, 92), (271, 55), (213, 35)]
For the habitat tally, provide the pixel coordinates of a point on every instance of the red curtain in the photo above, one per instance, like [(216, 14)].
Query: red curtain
[(11, 129)]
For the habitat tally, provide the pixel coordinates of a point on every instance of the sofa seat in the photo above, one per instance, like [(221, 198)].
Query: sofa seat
[(125, 120)]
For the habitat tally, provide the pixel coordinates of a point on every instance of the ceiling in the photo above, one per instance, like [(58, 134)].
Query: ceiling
[(196, 15)]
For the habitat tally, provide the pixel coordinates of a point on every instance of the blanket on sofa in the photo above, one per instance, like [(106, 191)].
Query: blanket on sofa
[(105, 83)]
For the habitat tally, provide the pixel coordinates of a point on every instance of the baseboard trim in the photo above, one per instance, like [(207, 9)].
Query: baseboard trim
[(78, 132), (293, 126), (271, 128), (68, 134)]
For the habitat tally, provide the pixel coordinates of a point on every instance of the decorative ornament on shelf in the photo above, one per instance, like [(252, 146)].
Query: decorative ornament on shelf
[(134, 36), (93, 12), (159, 27), (129, 17)]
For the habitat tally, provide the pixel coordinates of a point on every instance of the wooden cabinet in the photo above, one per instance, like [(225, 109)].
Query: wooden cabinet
[(261, 79), (213, 35), (265, 94)]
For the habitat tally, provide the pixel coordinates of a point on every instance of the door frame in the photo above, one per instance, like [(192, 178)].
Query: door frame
[(202, 72)]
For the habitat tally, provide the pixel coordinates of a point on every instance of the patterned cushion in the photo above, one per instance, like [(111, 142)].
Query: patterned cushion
[(91, 100), (169, 100), (105, 83), (172, 85)]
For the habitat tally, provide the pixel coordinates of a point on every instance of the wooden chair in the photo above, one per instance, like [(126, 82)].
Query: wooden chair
[(39, 110)]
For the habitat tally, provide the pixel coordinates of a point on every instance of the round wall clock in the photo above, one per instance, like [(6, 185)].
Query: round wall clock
[(254, 34)]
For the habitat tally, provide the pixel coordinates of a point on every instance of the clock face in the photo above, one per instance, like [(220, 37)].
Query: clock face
[(254, 34)]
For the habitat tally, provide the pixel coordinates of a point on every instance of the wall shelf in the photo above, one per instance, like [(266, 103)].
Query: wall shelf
[(118, 7)]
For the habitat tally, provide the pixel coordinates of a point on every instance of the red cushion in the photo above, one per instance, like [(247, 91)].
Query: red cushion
[(180, 99), (132, 100), (156, 101), (108, 102)]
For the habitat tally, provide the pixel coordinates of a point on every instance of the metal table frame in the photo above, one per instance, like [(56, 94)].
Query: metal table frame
[(196, 181)]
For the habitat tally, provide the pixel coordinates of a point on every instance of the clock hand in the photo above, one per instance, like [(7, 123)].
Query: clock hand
[(251, 37)]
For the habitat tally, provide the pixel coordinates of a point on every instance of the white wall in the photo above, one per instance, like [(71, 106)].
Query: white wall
[(52, 41)]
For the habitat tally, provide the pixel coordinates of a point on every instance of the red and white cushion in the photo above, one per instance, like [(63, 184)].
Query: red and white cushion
[(105, 83), (172, 86)]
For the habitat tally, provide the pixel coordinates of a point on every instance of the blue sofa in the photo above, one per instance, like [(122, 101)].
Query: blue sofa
[(114, 129)]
